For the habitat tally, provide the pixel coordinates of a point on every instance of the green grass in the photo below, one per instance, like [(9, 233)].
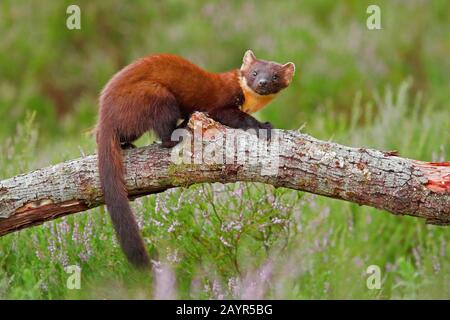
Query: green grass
[(385, 89)]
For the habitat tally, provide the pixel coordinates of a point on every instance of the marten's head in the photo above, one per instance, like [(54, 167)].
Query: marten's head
[(265, 77)]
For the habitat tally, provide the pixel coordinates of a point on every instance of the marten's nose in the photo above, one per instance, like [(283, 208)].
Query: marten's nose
[(262, 82)]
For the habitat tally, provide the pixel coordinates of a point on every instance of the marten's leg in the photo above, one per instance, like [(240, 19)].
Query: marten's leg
[(164, 114), (238, 119)]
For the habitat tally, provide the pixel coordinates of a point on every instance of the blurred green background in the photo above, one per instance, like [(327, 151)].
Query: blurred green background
[(384, 88)]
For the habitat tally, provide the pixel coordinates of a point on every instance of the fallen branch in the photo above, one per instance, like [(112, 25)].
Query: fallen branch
[(364, 176)]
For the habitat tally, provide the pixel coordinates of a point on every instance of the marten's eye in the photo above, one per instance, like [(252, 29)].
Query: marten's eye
[(255, 73), (275, 77)]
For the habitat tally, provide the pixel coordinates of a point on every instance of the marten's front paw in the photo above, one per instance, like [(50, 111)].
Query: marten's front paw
[(267, 127)]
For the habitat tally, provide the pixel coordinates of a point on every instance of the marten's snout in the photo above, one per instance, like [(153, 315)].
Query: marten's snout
[(262, 83)]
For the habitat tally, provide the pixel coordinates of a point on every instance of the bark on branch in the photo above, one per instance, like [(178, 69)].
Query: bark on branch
[(364, 176)]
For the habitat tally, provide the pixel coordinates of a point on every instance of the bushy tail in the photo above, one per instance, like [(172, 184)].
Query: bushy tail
[(110, 166)]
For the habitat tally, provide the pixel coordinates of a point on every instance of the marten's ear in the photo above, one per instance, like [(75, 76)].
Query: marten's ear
[(288, 71), (249, 58)]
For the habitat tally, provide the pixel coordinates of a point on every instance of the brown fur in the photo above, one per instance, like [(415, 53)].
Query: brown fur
[(154, 93)]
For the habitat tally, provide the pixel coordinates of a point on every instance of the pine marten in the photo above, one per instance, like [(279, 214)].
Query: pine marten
[(155, 93)]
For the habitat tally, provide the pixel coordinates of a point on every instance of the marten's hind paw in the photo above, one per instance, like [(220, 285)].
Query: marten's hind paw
[(169, 144), (127, 145)]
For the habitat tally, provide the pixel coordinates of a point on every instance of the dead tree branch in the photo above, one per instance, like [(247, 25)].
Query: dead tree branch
[(364, 176)]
